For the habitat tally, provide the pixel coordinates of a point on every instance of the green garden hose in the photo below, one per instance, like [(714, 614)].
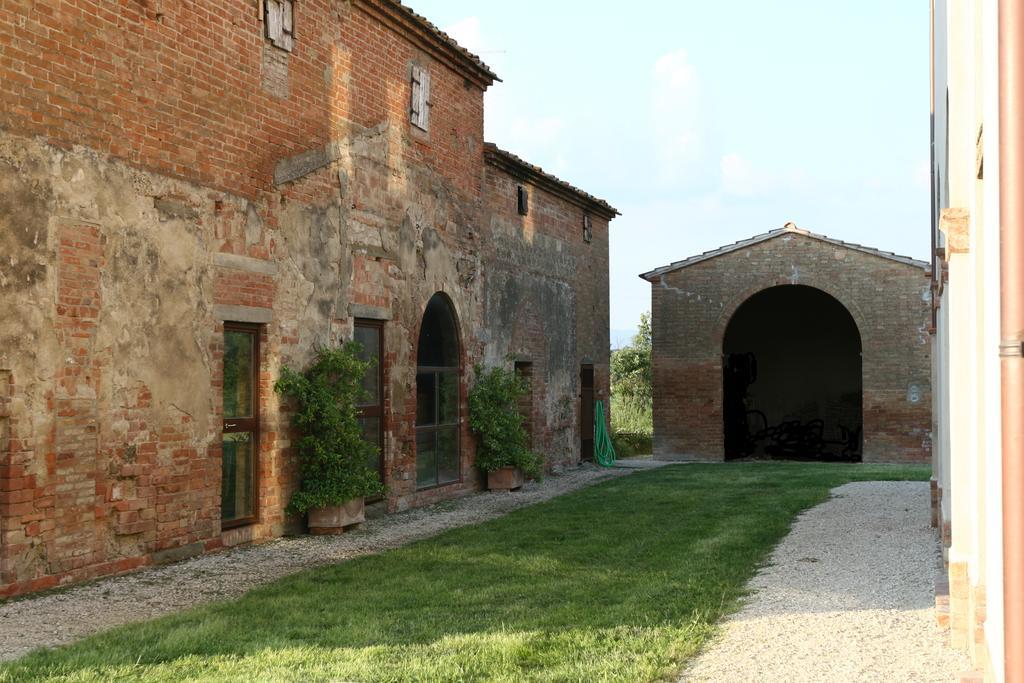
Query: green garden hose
[(604, 451)]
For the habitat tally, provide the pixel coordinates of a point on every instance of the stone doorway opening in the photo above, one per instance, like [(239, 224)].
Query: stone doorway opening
[(438, 398), (792, 379)]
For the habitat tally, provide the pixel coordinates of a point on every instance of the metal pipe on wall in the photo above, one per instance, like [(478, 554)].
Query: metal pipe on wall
[(1011, 347)]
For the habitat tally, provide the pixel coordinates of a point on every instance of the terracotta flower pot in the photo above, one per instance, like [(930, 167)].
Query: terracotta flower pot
[(336, 518), (505, 479)]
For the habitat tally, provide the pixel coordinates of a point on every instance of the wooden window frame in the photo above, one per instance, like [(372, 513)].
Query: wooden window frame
[(246, 424), (420, 98), (279, 19), (377, 409), (435, 427), (586, 406), (522, 200)]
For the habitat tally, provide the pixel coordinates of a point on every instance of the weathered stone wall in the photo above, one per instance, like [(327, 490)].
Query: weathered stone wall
[(119, 285), (549, 287), (888, 300), (154, 184)]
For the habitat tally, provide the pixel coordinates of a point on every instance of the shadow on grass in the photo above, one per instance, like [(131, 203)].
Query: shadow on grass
[(620, 581)]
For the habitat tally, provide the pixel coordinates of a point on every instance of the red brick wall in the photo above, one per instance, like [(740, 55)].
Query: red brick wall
[(179, 89), (888, 300)]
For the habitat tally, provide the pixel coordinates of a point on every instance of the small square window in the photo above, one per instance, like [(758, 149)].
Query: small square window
[(522, 200), (280, 22), (419, 107)]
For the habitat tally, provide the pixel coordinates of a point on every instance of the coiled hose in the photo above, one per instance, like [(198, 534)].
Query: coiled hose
[(604, 451)]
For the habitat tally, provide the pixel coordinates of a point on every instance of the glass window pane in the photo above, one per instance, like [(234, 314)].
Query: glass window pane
[(236, 484), (238, 366), (371, 433), (426, 460), (369, 338), (447, 398), (447, 455), (426, 399), (439, 340)]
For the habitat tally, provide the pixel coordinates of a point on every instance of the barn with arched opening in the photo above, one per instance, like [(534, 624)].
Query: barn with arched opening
[(792, 345)]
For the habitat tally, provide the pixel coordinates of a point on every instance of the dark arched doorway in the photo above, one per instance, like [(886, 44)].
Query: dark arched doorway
[(437, 396), (792, 378)]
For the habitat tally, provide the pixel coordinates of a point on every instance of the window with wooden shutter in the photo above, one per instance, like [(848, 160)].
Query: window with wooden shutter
[(280, 23), (588, 229), (419, 109)]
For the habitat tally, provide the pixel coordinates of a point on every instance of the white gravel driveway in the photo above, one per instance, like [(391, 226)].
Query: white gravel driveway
[(847, 596), (65, 616)]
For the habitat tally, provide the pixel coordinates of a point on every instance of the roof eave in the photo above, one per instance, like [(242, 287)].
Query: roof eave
[(652, 275), (431, 39), (523, 170)]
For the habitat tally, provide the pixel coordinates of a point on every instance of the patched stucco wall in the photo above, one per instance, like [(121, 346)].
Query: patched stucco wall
[(131, 231), (549, 286)]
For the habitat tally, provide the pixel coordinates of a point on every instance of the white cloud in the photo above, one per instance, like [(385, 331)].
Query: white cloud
[(537, 133), (540, 141), (676, 112), (741, 178), (468, 34), (923, 174), (738, 176)]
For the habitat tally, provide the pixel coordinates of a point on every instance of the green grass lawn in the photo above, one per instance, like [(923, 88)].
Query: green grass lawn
[(622, 581)]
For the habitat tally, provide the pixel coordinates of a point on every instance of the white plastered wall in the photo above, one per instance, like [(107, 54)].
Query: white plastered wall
[(990, 511), (961, 294)]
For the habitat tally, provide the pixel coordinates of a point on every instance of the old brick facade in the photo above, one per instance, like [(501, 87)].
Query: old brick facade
[(165, 169), (887, 297)]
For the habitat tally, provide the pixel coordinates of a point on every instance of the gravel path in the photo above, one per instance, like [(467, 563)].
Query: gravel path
[(62, 617), (847, 596)]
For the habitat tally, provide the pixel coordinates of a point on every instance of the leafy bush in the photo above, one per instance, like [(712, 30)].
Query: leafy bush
[(631, 365), (631, 402), (333, 455), (631, 416), (494, 417), (631, 444)]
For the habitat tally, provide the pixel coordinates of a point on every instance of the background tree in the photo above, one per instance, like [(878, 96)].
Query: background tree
[(631, 365), (632, 415)]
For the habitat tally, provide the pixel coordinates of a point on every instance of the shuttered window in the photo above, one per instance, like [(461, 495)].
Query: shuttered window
[(280, 22), (419, 109)]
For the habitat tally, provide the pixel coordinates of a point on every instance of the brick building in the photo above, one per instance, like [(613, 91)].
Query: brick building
[(193, 194), (791, 344)]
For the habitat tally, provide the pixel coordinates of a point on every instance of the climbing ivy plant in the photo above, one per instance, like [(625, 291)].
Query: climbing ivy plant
[(494, 417), (333, 455)]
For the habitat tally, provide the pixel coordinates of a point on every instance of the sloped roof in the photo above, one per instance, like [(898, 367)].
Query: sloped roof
[(787, 229), (519, 168), (432, 39)]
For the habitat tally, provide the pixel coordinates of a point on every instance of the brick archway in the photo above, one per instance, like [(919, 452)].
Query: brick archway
[(737, 299), (792, 377)]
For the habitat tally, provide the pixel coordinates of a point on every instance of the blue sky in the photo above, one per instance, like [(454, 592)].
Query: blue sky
[(708, 122)]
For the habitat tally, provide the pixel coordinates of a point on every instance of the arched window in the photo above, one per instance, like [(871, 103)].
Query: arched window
[(437, 396)]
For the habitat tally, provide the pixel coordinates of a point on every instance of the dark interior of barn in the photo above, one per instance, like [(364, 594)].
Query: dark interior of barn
[(792, 378)]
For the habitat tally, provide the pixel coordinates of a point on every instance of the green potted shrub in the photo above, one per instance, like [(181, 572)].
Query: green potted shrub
[(334, 476), (501, 440)]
